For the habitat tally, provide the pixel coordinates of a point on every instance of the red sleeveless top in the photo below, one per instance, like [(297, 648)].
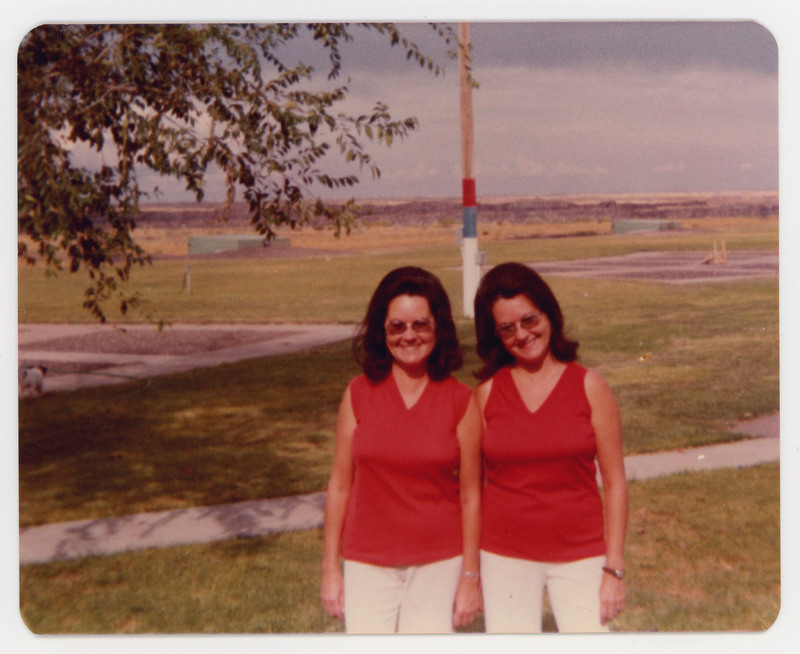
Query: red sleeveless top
[(541, 501), (404, 506)]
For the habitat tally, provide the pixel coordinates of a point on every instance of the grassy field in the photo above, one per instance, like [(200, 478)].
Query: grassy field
[(685, 362), (685, 572), (264, 427), (335, 286)]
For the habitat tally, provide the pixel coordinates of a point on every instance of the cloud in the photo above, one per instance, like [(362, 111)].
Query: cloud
[(656, 45), (626, 120), (635, 107), (670, 167)]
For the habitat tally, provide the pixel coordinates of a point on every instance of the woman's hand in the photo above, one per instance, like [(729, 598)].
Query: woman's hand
[(612, 598), (332, 593), (607, 425), (468, 601), (332, 586)]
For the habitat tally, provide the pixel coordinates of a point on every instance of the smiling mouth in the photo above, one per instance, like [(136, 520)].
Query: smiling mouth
[(528, 344)]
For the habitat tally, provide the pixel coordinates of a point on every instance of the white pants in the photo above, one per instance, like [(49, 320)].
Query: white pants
[(513, 591), (407, 599)]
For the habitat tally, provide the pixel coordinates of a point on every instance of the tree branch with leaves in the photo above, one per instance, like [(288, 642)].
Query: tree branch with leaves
[(182, 101)]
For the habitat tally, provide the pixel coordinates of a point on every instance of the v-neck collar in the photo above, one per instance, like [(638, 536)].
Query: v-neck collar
[(545, 400), (400, 394)]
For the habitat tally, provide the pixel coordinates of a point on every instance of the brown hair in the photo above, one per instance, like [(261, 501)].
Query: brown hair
[(369, 346), (507, 281)]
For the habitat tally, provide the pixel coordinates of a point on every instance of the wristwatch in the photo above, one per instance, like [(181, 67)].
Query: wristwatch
[(619, 574)]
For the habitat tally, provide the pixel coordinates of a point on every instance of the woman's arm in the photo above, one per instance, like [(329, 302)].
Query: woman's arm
[(482, 396), (468, 595), (332, 587), (608, 432)]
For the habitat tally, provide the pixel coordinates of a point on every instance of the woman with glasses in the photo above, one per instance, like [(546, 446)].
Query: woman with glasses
[(547, 420), (403, 501)]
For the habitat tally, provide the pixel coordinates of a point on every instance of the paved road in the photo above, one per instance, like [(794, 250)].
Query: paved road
[(669, 267), (690, 267)]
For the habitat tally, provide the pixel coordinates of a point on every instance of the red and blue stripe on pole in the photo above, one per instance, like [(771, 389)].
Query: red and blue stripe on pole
[(470, 213)]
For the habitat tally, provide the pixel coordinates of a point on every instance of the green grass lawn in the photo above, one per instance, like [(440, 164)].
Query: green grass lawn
[(702, 556), (684, 361), (256, 429), (265, 427)]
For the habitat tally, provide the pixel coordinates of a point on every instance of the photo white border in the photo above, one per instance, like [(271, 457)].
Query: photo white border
[(778, 16)]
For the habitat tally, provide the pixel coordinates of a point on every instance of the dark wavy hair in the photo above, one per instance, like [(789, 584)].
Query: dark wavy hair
[(369, 346), (507, 281)]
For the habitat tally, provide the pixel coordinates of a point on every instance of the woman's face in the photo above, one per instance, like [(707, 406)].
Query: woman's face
[(524, 330), (410, 331)]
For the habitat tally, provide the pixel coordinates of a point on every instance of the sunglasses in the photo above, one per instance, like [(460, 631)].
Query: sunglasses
[(421, 327), (528, 322)]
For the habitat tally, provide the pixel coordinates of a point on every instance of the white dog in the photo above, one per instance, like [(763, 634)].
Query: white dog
[(31, 381)]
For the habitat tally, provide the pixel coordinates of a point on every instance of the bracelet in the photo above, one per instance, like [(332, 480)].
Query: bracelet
[(471, 575), (619, 574)]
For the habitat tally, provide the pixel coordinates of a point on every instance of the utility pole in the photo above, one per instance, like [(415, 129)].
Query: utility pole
[(469, 242)]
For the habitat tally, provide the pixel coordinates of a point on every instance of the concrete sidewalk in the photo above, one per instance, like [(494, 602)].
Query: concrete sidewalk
[(71, 540), (36, 346)]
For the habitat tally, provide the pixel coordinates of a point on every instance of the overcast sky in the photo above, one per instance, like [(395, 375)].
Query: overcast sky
[(579, 107), (586, 108), (567, 107)]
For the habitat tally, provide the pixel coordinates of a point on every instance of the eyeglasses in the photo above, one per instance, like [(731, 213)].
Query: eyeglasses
[(528, 322), (421, 327)]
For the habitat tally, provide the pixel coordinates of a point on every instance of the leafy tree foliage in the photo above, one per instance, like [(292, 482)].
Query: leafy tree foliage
[(181, 100)]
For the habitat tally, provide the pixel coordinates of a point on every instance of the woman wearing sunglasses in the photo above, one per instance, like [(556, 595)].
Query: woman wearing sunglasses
[(403, 501), (546, 421)]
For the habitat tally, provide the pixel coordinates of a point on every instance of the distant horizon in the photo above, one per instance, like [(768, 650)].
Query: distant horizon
[(484, 198)]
